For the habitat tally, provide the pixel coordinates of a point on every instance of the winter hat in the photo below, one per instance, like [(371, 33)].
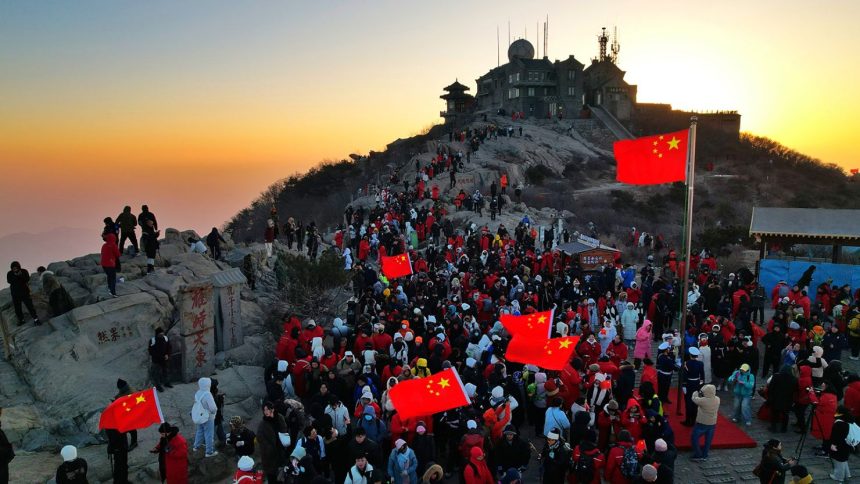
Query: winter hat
[(552, 434), (399, 443), (420, 429), (367, 394), (498, 392), (246, 463), (594, 367), (282, 365), (649, 473), (470, 389), (817, 351), (470, 362), (510, 429), (299, 452), (551, 388), (660, 445), (69, 453), (612, 405), (471, 425), (121, 384)]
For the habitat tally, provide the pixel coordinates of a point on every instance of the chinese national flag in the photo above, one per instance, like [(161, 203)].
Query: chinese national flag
[(396, 266), (425, 396), (136, 411), (534, 325), (652, 159), (550, 354)]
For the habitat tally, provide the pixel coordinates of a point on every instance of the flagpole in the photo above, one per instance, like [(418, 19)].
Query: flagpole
[(688, 241)]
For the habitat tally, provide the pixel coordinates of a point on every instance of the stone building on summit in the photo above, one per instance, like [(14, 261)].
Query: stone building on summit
[(561, 88)]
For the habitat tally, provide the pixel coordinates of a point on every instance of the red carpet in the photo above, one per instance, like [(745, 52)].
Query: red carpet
[(727, 436)]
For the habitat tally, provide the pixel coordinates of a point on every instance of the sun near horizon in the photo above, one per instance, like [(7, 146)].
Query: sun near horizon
[(196, 107)]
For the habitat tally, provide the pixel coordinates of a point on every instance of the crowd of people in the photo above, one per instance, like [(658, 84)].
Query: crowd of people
[(328, 417)]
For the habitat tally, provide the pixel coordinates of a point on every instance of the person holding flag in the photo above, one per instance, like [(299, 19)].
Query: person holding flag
[(130, 412)]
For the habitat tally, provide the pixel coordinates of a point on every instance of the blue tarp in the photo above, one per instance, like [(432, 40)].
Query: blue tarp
[(772, 270)]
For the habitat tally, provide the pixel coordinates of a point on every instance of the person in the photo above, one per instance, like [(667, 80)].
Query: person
[(196, 246), (512, 452), (159, 353), (7, 453), (109, 258), (123, 389), (117, 450), (73, 470), (172, 453), (127, 223), (219, 415), (839, 449), (773, 466), (780, 397), (587, 460), (665, 368), (269, 236), (19, 287), (402, 464), (620, 459), (694, 371), (246, 473), (744, 387), (146, 217), (205, 431), (361, 473), (272, 439), (555, 458), (149, 240), (214, 241), (240, 437), (476, 471), (708, 404)]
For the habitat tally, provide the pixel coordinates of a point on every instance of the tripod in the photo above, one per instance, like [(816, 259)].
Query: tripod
[(807, 428)]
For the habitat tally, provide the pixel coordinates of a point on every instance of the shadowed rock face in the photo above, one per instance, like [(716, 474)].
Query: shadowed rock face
[(59, 376)]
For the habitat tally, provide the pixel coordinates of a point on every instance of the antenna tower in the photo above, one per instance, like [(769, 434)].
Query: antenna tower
[(616, 47), (498, 58), (545, 36), (602, 39)]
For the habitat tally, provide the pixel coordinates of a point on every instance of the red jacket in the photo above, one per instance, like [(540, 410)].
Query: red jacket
[(286, 348), (599, 462), (825, 415), (649, 373), (110, 251), (852, 398), (612, 473), (176, 460)]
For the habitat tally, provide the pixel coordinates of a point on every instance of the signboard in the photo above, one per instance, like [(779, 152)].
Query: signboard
[(589, 241), (231, 334), (593, 259)]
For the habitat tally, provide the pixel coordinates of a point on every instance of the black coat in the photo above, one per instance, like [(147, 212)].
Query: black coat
[(19, 284), (271, 450), (7, 453), (514, 453), (781, 390), (72, 472), (837, 438)]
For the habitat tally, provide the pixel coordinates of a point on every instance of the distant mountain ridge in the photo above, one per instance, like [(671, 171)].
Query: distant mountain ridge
[(35, 249)]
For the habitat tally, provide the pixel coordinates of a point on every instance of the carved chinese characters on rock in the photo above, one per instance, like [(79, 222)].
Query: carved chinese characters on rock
[(114, 334)]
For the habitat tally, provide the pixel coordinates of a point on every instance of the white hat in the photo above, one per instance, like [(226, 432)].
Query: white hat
[(246, 463), (552, 435), (694, 352), (660, 445), (282, 365), (471, 425), (348, 353), (311, 323), (399, 443), (69, 453), (367, 395), (464, 307), (498, 392), (663, 346)]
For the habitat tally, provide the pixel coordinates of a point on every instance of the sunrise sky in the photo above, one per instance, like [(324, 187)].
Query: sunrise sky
[(194, 107)]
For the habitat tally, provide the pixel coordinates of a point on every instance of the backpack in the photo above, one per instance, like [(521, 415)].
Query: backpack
[(629, 463), (584, 468), (199, 414), (853, 437)]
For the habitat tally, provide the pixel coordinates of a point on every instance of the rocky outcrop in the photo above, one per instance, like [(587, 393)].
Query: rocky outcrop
[(56, 378)]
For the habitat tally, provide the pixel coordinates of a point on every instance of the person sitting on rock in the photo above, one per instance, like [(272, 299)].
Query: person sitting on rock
[(73, 470)]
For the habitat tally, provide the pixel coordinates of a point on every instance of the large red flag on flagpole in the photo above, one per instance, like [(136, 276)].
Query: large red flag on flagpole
[(653, 159), (425, 396), (550, 354), (535, 325), (396, 266), (131, 412)]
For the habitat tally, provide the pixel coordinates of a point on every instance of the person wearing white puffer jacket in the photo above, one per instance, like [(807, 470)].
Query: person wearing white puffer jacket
[(205, 433)]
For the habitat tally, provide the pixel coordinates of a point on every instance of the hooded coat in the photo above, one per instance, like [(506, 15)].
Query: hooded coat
[(476, 470), (629, 321), (205, 396), (643, 341), (709, 405)]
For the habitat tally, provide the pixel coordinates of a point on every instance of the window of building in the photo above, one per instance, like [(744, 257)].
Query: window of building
[(513, 93), (546, 91), (571, 75), (570, 91), (531, 91)]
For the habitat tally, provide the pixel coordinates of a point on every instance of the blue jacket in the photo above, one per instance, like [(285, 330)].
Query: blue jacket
[(400, 461), (744, 383), (555, 417)]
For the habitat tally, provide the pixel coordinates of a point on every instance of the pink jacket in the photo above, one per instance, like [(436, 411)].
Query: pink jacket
[(643, 341)]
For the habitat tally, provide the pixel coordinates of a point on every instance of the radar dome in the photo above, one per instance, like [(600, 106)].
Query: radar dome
[(522, 49)]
